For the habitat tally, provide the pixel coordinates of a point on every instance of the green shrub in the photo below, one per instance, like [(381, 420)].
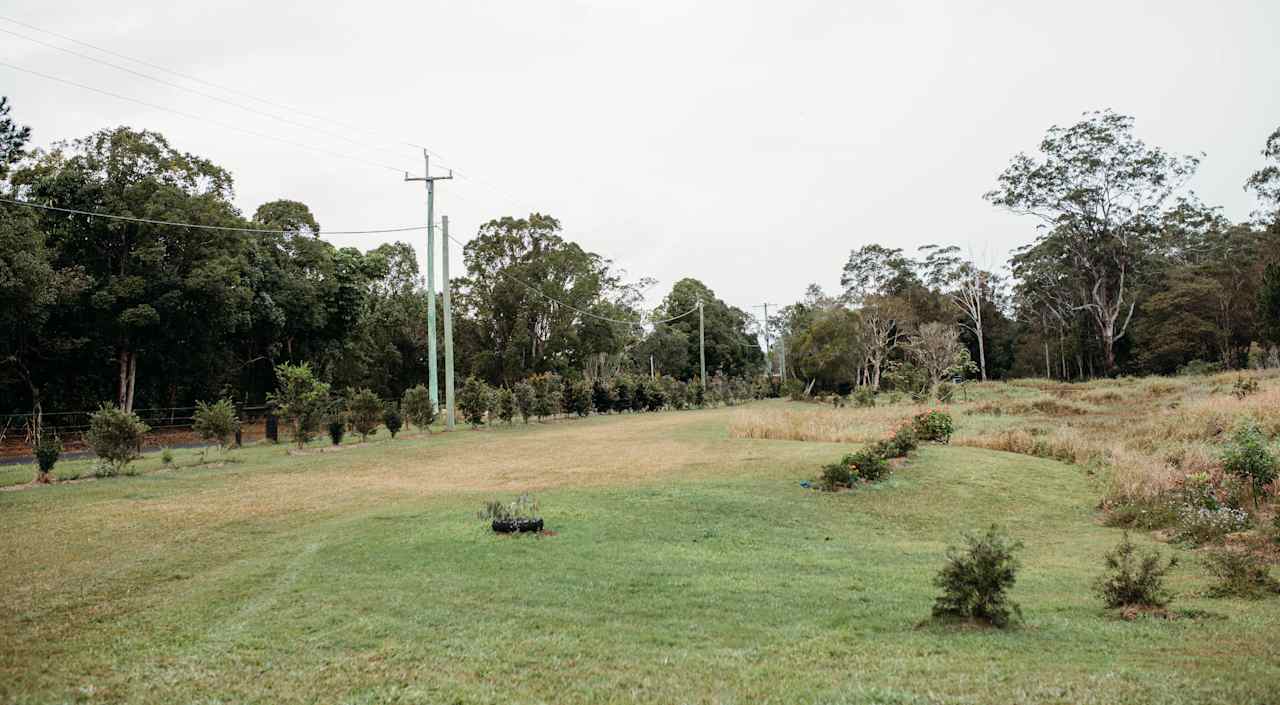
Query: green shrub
[(547, 394), (504, 404), (1243, 387), (364, 412), (474, 401), (1248, 458), (418, 407), (1241, 574), (166, 456), (391, 419), (215, 422), (945, 392), (933, 425), (578, 398), (47, 452), (900, 444), (601, 397), (301, 399), (976, 579), (868, 464), (116, 437), (864, 397), (700, 395), (1131, 580), (337, 429), (1144, 513), (525, 397), (1199, 368), (640, 394), (835, 476)]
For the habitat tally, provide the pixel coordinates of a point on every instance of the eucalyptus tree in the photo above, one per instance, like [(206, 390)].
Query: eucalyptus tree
[(1101, 193), (971, 289)]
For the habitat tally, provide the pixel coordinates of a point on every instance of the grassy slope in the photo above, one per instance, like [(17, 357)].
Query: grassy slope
[(689, 567)]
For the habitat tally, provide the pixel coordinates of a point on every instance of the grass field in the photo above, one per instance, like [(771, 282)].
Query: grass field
[(688, 566)]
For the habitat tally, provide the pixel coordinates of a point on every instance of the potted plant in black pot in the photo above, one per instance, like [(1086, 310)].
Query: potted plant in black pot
[(518, 516)]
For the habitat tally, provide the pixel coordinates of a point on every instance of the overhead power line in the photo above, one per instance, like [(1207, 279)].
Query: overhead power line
[(192, 116), (198, 92), (201, 81), (150, 221)]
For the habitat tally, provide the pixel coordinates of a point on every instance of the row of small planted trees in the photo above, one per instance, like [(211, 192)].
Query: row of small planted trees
[(550, 394), (307, 403)]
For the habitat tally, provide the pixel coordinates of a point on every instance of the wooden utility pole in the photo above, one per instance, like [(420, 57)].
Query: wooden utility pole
[(430, 180), (448, 322)]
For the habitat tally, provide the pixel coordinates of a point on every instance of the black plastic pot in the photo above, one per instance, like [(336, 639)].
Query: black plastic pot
[(515, 526)]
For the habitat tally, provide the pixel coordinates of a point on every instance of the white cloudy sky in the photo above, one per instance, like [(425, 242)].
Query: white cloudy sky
[(749, 144)]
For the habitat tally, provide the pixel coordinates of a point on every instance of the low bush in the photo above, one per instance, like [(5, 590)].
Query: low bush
[(1199, 368), (1247, 457), (525, 397), (301, 399), (1148, 513), (337, 429), (901, 443), (835, 476), (504, 404), (864, 396), (417, 407), (475, 400), (867, 465), (364, 412), (1131, 580), (933, 425), (391, 419), (215, 423), (945, 392), (166, 456), (47, 452), (976, 579), (116, 437), (1240, 574)]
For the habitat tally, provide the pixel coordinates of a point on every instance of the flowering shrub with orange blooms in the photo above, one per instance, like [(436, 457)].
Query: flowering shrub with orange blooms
[(933, 425)]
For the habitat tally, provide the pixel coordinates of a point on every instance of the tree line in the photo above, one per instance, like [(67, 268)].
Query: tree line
[(150, 315), (1128, 273)]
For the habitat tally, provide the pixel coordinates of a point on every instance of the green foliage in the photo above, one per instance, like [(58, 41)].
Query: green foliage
[(699, 395), (792, 388), (864, 397), (976, 579), (364, 412), (868, 464), (1131, 580), (1199, 368), (901, 442), (1269, 304), (547, 394), (337, 429), (47, 452), (116, 437), (945, 392), (417, 407), (166, 456), (504, 404), (933, 425), (1240, 573), (835, 476), (640, 394), (578, 398), (601, 396), (391, 419), (1247, 456), (655, 396), (301, 399), (526, 398), (474, 401), (216, 422)]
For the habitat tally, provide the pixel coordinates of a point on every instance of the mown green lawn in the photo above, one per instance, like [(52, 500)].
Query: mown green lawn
[(721, 581)]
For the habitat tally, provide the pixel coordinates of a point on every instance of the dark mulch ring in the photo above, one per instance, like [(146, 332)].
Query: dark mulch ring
[(517, 526), (1135, 612)]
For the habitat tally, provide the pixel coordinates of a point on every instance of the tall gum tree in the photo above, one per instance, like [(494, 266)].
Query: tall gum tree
[(1101, 193)]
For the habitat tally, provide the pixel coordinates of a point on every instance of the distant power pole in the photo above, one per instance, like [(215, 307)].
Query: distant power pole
[(767, 361), (702, 346), (431, 272), (448, 322)]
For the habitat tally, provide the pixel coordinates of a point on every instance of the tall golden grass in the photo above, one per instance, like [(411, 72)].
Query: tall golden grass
[(816, 423)]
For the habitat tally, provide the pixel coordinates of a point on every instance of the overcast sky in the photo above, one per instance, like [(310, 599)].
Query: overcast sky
[(751, 145)]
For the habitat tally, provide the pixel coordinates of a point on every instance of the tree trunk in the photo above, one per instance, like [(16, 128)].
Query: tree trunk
[(133, 377), (982, 354), (1048, 371), (122, 389)]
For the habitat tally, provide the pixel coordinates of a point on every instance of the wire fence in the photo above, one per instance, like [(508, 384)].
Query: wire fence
[(170, 423)]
